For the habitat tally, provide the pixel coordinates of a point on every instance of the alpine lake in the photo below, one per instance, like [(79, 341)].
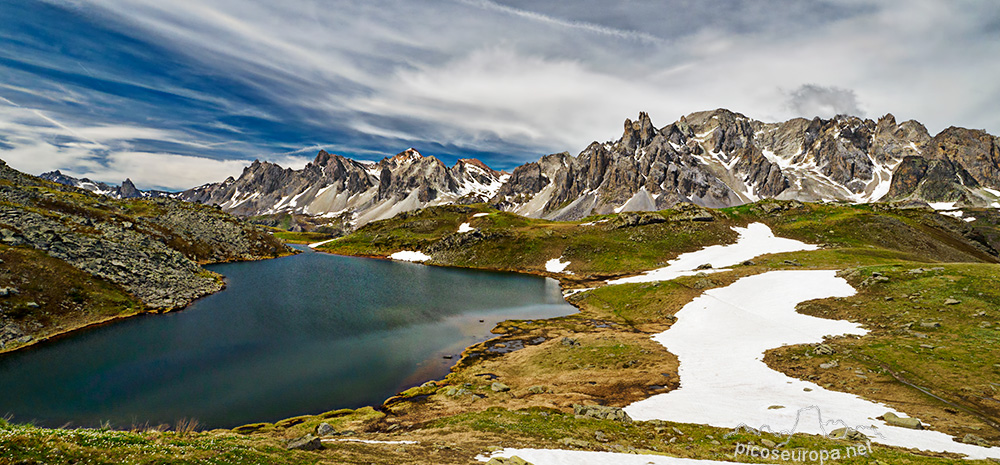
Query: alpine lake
[(296, 335)]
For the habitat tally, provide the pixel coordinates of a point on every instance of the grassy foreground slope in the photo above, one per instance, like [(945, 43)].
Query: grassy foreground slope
[(519, 389)]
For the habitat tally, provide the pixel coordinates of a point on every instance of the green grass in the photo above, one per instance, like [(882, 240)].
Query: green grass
[(510, 242), (66, 296), (549, 428), (300, 237), (26, 444)]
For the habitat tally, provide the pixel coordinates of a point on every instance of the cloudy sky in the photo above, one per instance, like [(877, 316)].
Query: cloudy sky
[(178, 93)]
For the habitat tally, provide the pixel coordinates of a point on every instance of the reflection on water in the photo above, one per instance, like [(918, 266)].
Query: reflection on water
[(290, 336)]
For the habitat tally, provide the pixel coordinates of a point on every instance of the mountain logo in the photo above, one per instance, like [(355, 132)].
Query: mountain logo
[(832, 429)]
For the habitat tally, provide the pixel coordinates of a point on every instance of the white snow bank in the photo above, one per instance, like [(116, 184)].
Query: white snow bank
[(577, 291), (970, 219), (719, 340), (942, 205), (756, 239), (410, 256), (480, 215), (955, 213), (317, 244), (584, 457), (556, 265), (465, 227)]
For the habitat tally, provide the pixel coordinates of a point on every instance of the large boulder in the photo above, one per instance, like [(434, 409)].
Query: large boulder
[(602, 412), (895, 420), (307, 442)]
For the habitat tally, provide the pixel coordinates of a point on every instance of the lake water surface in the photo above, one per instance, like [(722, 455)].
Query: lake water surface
[(289, 336)]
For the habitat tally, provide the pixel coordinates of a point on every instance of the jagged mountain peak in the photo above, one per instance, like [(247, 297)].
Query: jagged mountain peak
[(322, 158), (410, 154)]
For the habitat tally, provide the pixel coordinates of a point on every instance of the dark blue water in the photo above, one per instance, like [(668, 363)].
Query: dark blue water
[(290, 336)]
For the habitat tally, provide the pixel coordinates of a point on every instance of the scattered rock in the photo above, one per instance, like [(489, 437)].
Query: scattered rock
[(602, 412), (976, 440), (571, 442), (568, 341), (324, 429), (952, 301), (512, 460), (768, 443), (704, 266), (792, 263), (691, 212), (499, 387), (8, 291), (632, 219), (895, 420), (600, 436), (748, 263), (678, 431), (930, 324), (824, 349), (850, 434), (828, 365), (538, 389), (926, 346), (307, 442)]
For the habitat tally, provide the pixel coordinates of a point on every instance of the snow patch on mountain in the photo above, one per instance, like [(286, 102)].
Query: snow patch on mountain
[(754, 240), (410, 256)]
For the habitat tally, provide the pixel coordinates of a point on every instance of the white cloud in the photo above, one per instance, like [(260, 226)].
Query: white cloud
[(491, 75), (40, 143), (164, 170)]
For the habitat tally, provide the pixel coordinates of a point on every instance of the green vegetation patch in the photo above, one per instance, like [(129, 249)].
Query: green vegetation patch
[(29, 444)]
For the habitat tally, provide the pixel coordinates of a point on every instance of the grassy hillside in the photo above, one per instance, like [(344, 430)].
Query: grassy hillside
[(926, 355)]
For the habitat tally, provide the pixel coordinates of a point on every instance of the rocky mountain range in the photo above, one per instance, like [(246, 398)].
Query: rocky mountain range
[(720, 159), (126, 190), (336, 186), (713, 158)]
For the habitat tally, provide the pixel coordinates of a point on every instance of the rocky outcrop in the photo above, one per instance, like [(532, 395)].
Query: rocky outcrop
[(152, 248), (958, 165)]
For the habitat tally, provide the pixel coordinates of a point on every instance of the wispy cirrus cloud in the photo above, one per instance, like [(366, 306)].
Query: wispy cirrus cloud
[(228, 81)]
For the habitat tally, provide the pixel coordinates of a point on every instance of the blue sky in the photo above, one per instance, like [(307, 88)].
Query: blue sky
[(177, 93)]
